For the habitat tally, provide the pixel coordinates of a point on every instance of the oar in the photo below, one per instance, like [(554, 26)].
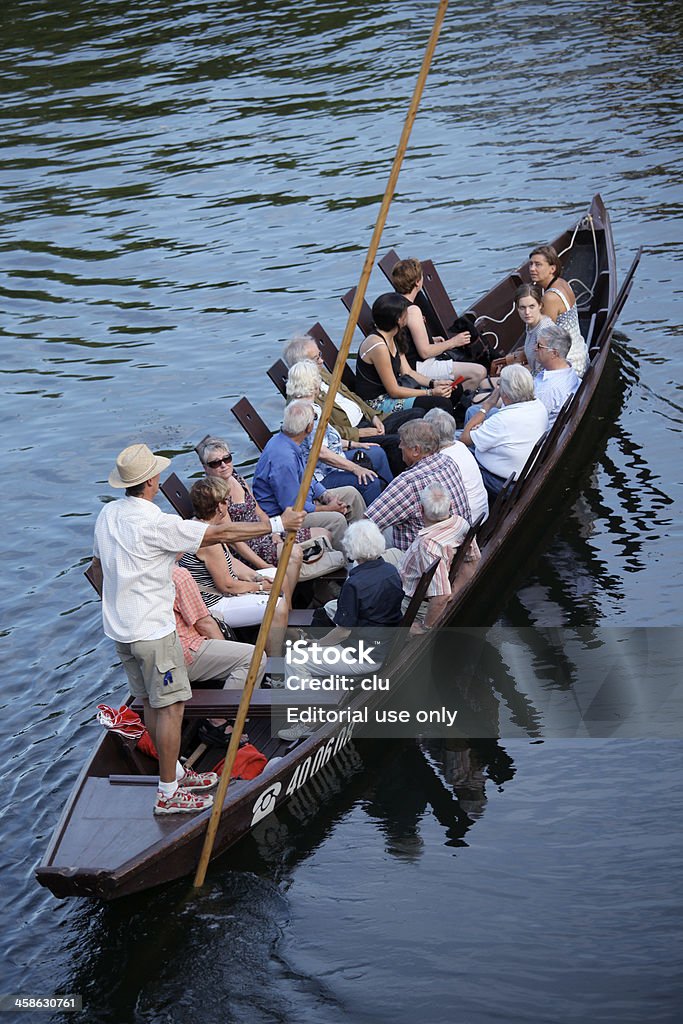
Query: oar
[(344, 348)]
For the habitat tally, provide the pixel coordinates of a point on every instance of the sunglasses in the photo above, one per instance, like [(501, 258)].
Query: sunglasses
[(215, 463)]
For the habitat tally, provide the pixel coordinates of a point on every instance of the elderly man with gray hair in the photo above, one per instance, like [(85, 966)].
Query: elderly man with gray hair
[(440, 537), (400, 505), (557, 379), (444, 424), (280, 470), (503, 442)]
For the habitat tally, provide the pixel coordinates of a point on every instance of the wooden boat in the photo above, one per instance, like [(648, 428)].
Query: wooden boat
[(107, 842)]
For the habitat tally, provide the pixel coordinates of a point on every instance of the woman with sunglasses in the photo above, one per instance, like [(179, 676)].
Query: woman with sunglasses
[(260, 552)]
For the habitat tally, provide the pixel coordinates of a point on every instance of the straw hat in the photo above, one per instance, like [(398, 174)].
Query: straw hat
[(136, 464)]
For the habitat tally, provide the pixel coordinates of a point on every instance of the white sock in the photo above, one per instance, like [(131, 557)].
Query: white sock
[(179, 771), (167, 788)]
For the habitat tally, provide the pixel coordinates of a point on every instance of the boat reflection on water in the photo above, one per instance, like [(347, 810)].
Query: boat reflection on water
[(217, 947)]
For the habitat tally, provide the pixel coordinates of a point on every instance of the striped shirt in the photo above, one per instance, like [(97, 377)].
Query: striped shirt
[(441, 540), (137, 545), (200, 574), (399, 506)]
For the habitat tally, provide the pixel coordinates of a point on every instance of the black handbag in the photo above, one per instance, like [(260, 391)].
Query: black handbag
[(404, 380), (362, 459), (479, 350), (226, 630)]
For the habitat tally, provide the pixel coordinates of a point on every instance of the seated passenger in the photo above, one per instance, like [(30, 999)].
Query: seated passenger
[(351, 416), (440, 537), (399, 506), (280, 470), (557, 380), (528, 303), (559, 301), (380, 365), (444, 425), (372, 594), (208, 655), (232, 591), (502, 443), (424, 352), (370, 598), (261, 552), (336, 467)]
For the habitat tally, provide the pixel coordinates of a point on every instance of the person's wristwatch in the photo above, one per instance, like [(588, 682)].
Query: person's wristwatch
[(431, 385)]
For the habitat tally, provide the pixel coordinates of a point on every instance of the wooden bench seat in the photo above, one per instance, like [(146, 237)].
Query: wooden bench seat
[(224, 703)]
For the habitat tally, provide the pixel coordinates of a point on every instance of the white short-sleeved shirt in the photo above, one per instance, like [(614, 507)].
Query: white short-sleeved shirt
[(137, 545), (471, 477), (554, 387), (503, 442)]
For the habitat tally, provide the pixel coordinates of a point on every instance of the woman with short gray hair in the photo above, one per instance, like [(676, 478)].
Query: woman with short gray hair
[(372, 594), (363, 541), (337, 465), (436, 503), (503, 442)]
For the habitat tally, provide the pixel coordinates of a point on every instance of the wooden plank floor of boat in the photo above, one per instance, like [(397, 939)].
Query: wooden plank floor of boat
[(112, 822)]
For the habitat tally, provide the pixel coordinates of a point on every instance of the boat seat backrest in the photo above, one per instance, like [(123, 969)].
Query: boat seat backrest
[(200, 443), (278, 373), (500, 320), (329, 352), (93, 575), (461, 553), (224, 703), (387, 264), (442, 310), (497, 510), (175, 491), (418, 597), (250, 421), (365, 321)]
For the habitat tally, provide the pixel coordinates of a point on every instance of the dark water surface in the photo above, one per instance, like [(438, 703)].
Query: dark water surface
[(184, 186)]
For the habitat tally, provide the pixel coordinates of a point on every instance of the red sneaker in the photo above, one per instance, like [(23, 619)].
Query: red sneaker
[(200, 781), (182, 802)]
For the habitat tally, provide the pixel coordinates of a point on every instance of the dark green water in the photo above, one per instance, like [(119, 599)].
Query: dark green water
[(184, 186)]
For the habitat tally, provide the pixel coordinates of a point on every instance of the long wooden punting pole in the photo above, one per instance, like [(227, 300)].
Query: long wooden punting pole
[(344, 348)]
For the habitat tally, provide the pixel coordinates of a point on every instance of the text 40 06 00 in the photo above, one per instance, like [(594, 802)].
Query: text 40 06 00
[(316, 761)]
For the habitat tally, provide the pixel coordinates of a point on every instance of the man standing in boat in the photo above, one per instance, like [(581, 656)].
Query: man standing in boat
[(136, 545)]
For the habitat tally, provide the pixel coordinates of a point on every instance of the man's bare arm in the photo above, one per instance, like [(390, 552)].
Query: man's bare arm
[(209, 628), (229, 532)]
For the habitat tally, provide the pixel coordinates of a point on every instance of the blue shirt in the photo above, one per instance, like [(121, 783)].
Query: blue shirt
[(370, 596), (278, 476)]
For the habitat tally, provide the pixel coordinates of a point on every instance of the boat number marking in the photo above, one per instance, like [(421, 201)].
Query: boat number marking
[(314, 762)]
